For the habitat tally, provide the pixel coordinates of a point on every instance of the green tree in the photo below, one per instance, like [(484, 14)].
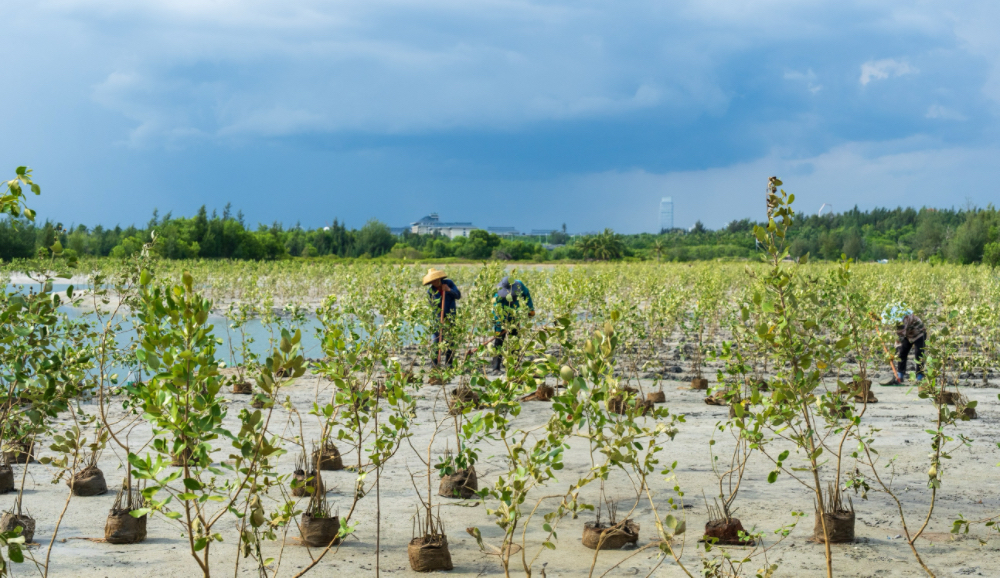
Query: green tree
[(831, 245), (969, 241), (480, 245), (991, 254), (374, 239), (853, 245), (930, 234)]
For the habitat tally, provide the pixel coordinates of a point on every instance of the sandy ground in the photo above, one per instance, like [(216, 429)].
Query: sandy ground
[(878, 551)]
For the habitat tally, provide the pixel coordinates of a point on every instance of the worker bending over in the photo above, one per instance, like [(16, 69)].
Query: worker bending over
[(506, 301), (911, 336)]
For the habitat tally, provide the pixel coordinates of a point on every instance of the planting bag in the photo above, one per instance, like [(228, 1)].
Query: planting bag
[(462, 484), (429, 554), (619, 403), (543, 393), (328, 458), (320, 532), (89, 482), (9, 521), (610, 537), (301, 491), (461, 398), (839, 526), (122, 528), (6, 479), (20, 453), (726, 532)]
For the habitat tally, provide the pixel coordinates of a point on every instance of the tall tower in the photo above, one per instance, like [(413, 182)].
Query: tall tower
[(666, 213)]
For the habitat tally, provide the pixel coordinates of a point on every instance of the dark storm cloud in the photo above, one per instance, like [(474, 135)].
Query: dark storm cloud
[(501, 112)]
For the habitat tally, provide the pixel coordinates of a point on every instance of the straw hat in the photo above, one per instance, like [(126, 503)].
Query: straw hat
[(433, 275)]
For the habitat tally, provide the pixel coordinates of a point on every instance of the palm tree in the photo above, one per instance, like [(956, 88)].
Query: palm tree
[(659, 246), (588, 245), (611, 245)]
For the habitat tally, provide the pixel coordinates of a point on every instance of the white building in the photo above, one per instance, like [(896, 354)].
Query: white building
[(666, 213), (432, 224)]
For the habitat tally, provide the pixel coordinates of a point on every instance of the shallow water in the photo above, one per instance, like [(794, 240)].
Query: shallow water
[(261, 338)]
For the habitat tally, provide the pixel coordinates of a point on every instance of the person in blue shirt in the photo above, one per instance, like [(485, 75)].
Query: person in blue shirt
[(507, 299), (440, 287)]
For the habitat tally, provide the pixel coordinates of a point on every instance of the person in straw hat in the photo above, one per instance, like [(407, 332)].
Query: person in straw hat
[(443, 294)]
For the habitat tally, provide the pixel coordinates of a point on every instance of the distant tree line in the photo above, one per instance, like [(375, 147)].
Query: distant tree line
[(963, 236), (211, 237), (969, 235)]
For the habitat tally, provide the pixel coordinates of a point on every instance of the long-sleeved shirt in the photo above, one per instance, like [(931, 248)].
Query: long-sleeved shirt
[(518, 291), (449, 298), (911, 328)]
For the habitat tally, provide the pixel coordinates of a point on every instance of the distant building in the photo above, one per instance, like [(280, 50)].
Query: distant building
[(432, 224), (503, 231), (542, 232), (666, 214), (398, 230)]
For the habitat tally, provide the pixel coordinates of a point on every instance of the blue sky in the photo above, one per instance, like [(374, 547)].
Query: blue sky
[(500, 112)]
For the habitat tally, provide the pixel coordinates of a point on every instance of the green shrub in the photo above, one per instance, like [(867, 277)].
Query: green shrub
[(991, 254)]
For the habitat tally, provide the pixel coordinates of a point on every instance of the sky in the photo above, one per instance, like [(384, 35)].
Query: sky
[(518, 113)]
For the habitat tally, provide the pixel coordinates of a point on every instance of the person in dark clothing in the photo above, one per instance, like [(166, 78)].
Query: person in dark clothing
[(440, 287), (912, 336), (508, 297)]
